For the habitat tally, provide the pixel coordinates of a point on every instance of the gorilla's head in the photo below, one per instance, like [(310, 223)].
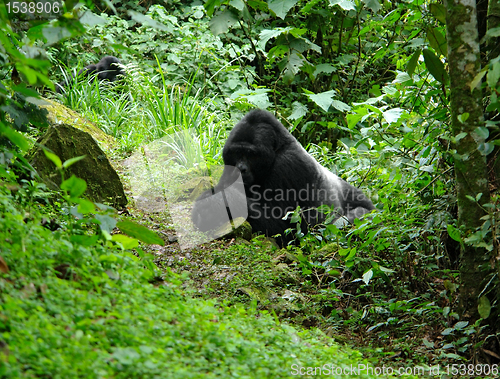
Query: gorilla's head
[(109, 68), (253, 144)]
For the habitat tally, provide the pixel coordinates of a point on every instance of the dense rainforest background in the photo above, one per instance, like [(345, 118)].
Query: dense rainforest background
[(398, 98)]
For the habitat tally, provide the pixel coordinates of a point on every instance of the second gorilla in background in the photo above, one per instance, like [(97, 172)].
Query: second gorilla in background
[(108, 68)]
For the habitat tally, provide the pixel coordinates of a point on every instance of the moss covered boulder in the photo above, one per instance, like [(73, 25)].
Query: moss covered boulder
[(103, 183)]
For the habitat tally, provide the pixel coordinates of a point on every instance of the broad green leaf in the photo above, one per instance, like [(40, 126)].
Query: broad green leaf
[(478, 79), (210, 6), (402, 77), (351, 254), (367, 276), (435, 66), (260, 100), (493, 33), (146, 20), (72, 161), (353, 119), (373, 5), (481, 131), (267, 34), (140, 232), (91, 19), (484, 307), (15, 137), (84, 240), (127, 242), (54, 158), (392, 115), (238, 4), (323, 99), (299, 110), (412, 63), (439, 12), (453, 232), (75, 186), (294, 62), (485, 148), (223, 21), (85, 206), (106, 223), (437, 41), (324, 67), (463, 117), (458, 137), (346, 5), (427, 168), (493, 75), (460, 325), (447, 331), (281, 7), (340, 106)]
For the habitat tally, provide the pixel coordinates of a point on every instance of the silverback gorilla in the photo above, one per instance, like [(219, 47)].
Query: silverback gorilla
[(107, 69), (278, 175)]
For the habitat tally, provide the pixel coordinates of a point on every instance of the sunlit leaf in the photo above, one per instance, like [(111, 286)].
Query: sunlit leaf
[(453, 232), (85, 206), (367, 276), (126, 241), (281, 7), (484, 307), (340, 106), (267, 34), (392, 115), (493, 74), (72, 161), (75, 186), (478, 79), (323, 99), (146, 20), (140, 232), (346, 5), (91, 19), (299, 110), (373, 5)]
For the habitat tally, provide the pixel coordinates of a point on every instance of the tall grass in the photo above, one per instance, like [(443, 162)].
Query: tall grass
[(136, 111)]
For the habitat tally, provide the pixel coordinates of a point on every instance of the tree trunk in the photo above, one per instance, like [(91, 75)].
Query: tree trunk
[(470, 166)]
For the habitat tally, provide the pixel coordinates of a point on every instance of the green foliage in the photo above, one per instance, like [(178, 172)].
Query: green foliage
[(72, 307), (362, 84)]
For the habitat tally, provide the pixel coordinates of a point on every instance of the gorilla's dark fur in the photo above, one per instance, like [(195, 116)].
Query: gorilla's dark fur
[(278, 175), (108, 68)]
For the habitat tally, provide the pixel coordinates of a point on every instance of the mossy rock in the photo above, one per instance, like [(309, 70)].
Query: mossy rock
[(103, 183), (244, 230), (60, 114)]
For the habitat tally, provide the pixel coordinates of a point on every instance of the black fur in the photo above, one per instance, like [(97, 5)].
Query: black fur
[(107, 69), (278, 175)]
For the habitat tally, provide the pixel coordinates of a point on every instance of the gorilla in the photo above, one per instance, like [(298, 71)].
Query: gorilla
[(108, 68), (278, 175)]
